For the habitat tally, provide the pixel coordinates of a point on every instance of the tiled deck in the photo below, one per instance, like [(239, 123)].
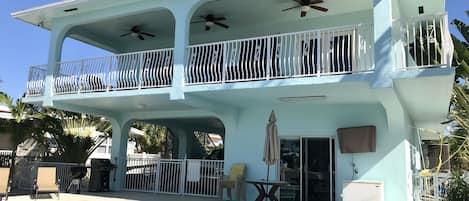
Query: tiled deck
[(112, 196)]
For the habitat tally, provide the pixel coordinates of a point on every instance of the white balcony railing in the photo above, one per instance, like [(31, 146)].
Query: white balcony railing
[(175, 176), (310, 53), (36, 80), (118, 72), (423, 42), (431, 188)]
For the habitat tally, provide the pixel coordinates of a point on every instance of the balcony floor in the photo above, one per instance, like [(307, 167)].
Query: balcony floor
[(113, 196)]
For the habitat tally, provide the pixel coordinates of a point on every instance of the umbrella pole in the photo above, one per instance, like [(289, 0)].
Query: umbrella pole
[(268, 168)]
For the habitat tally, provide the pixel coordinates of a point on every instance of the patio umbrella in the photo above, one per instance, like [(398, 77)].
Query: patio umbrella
[(272, 144)]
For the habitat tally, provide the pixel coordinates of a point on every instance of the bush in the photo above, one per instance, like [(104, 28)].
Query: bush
[(458, 188)]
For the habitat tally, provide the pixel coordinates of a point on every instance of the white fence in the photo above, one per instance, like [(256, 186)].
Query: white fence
[(36, 80), (310, 53), (118, 72), (431, 188), (186, 177), (423, 42)]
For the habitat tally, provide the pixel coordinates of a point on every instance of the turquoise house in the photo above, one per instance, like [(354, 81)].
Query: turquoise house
[(223, 65)]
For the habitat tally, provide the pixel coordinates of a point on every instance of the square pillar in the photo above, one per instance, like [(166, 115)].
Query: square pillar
[(181, 41), (120, 135), (58, 34), (383, 55)]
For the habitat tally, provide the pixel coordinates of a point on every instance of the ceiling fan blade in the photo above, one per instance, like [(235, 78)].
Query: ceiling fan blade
[(316, 2), (148, 34), (322, 9), (222, 25), (303, 14), (126, 34), (200, 21), (140, 37), (291, 8), (207, 28), (219, 19)]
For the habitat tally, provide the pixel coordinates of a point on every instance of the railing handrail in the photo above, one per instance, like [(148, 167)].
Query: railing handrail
[(420, 17), (114, 55), (282, 34)]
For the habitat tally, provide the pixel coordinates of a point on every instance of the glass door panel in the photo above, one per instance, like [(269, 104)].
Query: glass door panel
[(290, 171)]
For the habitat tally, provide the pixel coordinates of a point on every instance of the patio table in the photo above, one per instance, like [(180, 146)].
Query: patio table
[(259, 184)]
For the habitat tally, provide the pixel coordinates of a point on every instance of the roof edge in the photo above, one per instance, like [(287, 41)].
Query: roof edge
[(63, 3)]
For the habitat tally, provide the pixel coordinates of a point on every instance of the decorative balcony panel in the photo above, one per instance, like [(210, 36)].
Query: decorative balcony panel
[(333, 51), (148, 69), (423, 42), (36, 81)]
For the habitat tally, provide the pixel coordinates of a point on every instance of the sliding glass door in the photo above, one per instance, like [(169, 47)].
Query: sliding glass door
[(308, 164)]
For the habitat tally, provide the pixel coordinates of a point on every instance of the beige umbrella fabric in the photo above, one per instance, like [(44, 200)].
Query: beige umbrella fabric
[(272, 143)]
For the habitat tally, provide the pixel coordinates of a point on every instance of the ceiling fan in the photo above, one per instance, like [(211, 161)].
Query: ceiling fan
[(307, 5), (135, 31), (210, 20)]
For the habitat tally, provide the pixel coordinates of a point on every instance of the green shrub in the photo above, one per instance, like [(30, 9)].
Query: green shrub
[(458, 188)]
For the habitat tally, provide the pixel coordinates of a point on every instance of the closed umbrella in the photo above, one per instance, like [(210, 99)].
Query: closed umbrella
[(272, 143)]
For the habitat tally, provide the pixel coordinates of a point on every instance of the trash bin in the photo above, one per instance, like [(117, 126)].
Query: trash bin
[(99, 179)]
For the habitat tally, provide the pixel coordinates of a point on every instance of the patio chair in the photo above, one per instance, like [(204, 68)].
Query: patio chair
[(233, 182), (46, 181), (4, 183)]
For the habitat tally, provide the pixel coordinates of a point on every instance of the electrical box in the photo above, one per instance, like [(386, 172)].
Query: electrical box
[(363, 191)]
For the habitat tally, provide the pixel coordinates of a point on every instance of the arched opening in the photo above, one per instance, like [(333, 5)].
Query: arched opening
[(185, 156), (243, 40), (137, 48), (149, 30)]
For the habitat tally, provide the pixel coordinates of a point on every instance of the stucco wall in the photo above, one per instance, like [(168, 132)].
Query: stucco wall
[(388, 164)]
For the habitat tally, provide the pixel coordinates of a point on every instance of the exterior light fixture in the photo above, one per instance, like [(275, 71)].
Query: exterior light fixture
[(302, 98)]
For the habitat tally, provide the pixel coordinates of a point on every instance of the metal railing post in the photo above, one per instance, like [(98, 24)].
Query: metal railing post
[(269, 58), (182, 177)]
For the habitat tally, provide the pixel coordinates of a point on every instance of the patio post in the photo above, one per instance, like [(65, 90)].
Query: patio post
[(58, 35), (383, 54), (120, 134)]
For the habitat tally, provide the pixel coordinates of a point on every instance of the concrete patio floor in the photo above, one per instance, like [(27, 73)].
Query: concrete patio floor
[(111, 196)]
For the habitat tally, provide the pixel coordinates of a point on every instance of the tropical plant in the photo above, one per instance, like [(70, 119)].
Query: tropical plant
[(27, 122), (458, 188), (156, 139), (459, 113), (82, 135)]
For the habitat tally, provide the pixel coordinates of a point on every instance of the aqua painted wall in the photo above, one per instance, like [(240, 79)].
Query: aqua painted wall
[(245, 144)]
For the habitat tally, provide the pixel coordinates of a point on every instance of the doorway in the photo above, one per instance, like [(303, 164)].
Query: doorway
[(309, 165)]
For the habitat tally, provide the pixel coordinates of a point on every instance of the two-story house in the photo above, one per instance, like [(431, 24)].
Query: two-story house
[(222, 66)]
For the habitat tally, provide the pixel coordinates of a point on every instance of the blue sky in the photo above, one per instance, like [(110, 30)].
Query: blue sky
[(23, 45)]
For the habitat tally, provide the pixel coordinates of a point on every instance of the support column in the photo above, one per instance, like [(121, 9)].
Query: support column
[(120, 135), (58, 34), (382, 18), (181, 41)]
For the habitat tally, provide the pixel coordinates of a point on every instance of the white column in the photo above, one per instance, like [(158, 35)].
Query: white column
[(382, 18), (58, 34), (120, 135)]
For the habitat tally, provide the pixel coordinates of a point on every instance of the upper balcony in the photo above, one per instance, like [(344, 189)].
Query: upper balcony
[(336, 48)]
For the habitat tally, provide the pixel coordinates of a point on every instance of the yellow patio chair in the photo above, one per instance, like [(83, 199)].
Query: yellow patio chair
[(4, 183), (46, 181), (234, 181)]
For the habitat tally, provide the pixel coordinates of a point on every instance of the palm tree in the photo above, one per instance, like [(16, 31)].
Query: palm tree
[(79, 138), (27, 122), (459, 140)]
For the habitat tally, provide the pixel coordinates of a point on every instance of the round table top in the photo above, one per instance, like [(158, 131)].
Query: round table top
[(270, 182)]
